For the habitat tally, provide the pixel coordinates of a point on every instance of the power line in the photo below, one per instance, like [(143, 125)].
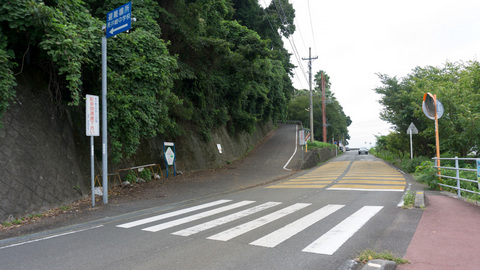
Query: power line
[(297, 55), (311, 27), (266, 16), (298, 78), (300, 32), (289, 38)]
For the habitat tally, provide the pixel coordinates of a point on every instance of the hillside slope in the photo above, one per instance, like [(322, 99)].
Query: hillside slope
[(44, 158)]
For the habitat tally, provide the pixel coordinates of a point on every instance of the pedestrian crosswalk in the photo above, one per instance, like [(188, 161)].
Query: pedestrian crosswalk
[(317, 178), (310, 214)]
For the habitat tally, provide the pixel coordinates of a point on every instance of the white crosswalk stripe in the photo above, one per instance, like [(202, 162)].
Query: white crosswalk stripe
[(223, 220), (172, 214), (241, 229), (280, 235), (336, 237), (173, 223), (326, 244)]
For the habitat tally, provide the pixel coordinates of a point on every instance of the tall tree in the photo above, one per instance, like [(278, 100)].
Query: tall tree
[(337, 121), (184, 61), (456, 86)]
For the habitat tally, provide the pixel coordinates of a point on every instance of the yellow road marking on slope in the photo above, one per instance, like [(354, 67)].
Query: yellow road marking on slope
[(350, 186), (297, 186), (371, 175), (371, 182), (363, 175), (317, 178)]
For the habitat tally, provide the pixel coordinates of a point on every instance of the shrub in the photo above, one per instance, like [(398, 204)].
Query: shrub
[(410, 165), (131, 177), (427, 174), (317, 144), (145, 174)]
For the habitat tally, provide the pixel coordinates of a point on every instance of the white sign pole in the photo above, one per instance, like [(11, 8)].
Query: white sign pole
[(104, 121), (123, 17), (412, 129), (411, 146), (92, 173)]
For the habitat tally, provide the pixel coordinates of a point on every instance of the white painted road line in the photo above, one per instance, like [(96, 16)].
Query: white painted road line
[(294, 152), (226, 219), (171, 214), (329, 243), (280, 235), (50, 237), (366, 189), (241, 229), (180, 221)]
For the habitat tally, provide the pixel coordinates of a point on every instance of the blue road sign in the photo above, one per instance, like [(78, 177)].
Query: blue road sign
[(119, 20)]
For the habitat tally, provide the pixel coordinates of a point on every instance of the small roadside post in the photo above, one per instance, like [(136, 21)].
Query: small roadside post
[(412, 129), (118, 21), (478, 172), (169, 150), (92, 129)]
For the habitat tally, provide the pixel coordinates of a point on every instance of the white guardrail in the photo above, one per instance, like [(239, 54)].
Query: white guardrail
[(457, 169)]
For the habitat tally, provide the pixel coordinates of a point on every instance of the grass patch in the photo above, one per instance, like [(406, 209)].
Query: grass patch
[(408, 200), (6, 224), (369, 254), (65, 208)]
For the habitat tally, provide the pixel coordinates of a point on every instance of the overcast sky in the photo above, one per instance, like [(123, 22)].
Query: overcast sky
[(354, 40)]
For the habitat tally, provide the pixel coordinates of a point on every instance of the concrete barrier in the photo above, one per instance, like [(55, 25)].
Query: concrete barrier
[(318, 155)]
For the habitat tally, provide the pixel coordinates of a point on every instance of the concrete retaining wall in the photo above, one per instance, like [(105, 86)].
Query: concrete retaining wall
[(45, 160), (316, 156), (39, 164)]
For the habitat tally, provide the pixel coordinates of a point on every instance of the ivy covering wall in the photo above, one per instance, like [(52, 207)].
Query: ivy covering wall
[(202, 64)]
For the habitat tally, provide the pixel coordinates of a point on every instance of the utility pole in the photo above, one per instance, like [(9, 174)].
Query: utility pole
[(311, 94), (324, 115)]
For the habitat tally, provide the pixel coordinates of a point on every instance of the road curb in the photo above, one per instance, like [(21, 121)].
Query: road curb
[(420, 199), (380, 264)]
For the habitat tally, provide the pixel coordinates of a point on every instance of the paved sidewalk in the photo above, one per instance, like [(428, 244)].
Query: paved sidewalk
[(447, 237)]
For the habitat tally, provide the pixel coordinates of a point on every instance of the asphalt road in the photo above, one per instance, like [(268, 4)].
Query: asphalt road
[(314, 219)]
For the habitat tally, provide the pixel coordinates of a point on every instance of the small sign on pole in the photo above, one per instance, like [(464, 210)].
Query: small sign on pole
[(412, 129), (92, 116), (301, 134), (92, 120), (169, 150)]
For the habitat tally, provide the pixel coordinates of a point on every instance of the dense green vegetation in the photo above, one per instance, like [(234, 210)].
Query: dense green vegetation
[(337, 120), (317, 144), (197, 63), (457, 86)]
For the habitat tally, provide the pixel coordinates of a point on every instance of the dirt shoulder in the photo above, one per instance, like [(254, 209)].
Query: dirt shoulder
[(120, 201), (264, 164)]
